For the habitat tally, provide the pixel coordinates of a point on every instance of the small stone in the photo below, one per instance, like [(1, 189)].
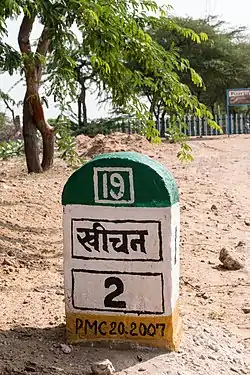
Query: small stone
[(213, 347), (243, 371), (11, 253), (234, 370), (228, 261), (8, 262), (9, 270), (30, 367), (58, 369), (212, 357), (66, 349), (247, 223), (103, 368), (202, 357), (141, 369), (246, 309), (203, 295), (213, 208), (240, 244)]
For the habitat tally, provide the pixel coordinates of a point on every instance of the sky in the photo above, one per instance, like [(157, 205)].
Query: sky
[(234, 13)]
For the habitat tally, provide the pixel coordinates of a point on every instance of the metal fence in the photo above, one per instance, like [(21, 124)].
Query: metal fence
[(198, 127), (194, 126)]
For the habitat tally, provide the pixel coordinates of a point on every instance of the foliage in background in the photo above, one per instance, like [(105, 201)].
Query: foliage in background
[(120, 123), (7, 128), (11, 148), (222, 60), (65, 141), (113, 39)]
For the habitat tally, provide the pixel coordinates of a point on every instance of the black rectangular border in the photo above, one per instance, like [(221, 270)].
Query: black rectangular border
[(119, 221), (150, 274)]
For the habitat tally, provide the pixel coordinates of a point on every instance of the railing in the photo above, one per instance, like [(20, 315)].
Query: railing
[(194, 126), (198, 127)]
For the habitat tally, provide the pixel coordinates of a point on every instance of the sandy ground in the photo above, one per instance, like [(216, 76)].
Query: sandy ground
[(215, 195)]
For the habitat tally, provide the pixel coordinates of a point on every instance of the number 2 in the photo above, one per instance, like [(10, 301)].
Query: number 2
[(109, 299)]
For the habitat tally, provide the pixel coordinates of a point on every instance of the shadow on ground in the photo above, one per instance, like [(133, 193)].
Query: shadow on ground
[(26, 350)]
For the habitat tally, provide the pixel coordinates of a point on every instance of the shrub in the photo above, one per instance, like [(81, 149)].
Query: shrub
[(65, 142), (11, 149), (105, 126)]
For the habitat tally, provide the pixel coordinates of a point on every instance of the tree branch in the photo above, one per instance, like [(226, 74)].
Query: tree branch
[(10, 109), (44, 41), (42, 49), (24, 34)]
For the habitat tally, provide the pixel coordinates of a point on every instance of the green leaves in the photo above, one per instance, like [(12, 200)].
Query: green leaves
[(11, 148), (184, 155), (131, 49), (10, 59), (65, 142), (221, 59), (150, 132)]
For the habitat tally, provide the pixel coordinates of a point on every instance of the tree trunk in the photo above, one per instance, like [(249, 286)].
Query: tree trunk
[(213, 109), (31, 147), (17, 124), (48, 148), (33, 120), (79, 113), (33, 115), (82, 108)]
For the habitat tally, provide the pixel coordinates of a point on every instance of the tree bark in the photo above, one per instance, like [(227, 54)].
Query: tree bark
[(31, 147), (33, 114), (83, 102), (213, 109), (79, 113), (82, 107)]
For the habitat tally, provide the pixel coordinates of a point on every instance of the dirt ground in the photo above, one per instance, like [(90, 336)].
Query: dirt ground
[(215, 196)]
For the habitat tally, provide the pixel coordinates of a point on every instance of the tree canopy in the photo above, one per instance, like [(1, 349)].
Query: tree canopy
[(110, 36), (222, 60)]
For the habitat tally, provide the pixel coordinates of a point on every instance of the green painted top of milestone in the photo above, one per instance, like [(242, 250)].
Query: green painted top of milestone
[(121, 179)]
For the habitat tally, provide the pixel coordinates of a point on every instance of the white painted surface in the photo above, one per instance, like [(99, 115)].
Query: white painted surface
[(140, 240), (175, 249), (139, 292), (88, 297), (113, 185)]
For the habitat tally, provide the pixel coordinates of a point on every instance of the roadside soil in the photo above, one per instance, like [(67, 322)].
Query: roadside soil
[(215, 303)]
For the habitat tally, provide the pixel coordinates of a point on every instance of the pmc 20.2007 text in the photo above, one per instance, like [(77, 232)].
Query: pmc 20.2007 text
[(86, 327)]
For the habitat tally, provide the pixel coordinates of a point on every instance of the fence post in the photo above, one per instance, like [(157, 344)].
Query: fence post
[(231, 123), (237, 124), (195, 126), (241, 123), (189, 131), (227, 123), (200, 127), (221, 123)]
